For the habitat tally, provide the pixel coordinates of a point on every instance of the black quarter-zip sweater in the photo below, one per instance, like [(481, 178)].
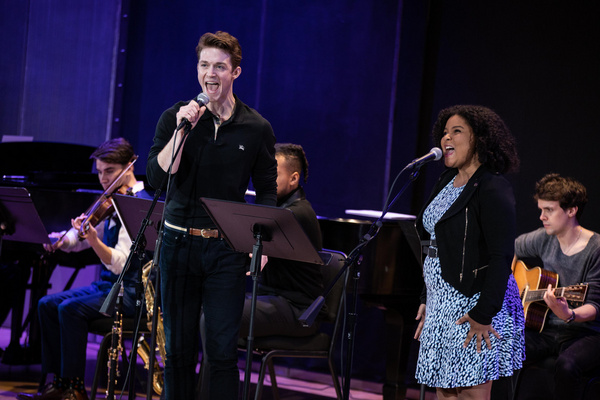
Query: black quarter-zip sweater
[(216, 166)]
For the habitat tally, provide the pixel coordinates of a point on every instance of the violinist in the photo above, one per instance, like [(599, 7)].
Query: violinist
[(64, 316)]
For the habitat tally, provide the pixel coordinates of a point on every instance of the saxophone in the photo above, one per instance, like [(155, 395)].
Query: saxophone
[(115, 350), (143, 346)]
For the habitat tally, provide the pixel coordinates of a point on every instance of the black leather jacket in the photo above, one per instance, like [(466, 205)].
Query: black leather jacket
[(475, 239)]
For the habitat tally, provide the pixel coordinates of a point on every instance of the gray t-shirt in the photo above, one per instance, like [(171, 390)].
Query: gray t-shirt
[(582, 267)]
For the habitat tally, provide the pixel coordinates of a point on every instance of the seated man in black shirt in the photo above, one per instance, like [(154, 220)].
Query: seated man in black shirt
[(286, 288)]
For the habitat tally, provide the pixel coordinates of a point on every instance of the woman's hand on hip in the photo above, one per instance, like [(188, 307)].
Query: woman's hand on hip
[(478, 331)]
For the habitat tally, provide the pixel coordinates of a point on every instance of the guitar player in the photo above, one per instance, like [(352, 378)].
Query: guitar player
[(570, 333)]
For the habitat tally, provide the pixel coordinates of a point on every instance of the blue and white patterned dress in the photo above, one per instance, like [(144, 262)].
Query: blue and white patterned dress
[(443, 362)]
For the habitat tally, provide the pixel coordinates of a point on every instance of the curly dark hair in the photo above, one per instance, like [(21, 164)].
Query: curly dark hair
[(295, 157), (567, 191), (494, 144)]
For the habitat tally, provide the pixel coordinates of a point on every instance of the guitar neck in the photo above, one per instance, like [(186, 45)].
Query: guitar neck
[(538, 294), (534, 278)]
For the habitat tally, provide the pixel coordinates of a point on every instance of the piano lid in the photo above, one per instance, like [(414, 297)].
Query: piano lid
[(47, 164), (24, 157)]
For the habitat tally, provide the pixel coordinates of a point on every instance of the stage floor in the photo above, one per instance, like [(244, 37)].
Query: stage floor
[(293, 384)]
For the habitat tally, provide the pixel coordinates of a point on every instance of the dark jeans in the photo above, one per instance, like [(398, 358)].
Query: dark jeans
[(64, 319), (274, 315), (577, 351), (201, 273)]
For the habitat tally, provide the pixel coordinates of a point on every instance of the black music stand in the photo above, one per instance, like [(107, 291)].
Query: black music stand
[(282, 233), (250, 227), (22, 218), (21, 222), (132, 212)]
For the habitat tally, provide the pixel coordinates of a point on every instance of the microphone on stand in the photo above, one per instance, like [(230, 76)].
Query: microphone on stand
[(202, 100), (434, 154)]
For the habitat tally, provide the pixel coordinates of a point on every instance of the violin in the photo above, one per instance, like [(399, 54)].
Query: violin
[(104, 206)]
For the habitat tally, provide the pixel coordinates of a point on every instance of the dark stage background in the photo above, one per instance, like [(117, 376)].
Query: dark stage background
[(357, 83)]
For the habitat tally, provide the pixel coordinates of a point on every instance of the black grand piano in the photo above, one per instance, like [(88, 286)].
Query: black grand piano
[(61, 184), (390, 279)]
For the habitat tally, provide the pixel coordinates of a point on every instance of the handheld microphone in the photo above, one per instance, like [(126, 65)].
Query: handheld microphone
[(202, 100), (433, 155)]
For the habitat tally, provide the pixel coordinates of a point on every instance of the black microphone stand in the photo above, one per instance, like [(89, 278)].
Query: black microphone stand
[(352, 261), (156, 260), (138, 246)]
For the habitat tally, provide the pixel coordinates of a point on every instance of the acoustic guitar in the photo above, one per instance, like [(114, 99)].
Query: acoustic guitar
[(532, 283)]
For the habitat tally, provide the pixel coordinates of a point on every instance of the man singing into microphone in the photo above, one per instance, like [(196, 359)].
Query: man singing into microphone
[(228, 143)]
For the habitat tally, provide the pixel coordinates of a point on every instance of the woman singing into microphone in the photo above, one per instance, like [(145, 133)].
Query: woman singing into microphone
[(471, 320)]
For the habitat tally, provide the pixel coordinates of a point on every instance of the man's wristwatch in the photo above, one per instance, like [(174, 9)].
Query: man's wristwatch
[(571, 318)]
